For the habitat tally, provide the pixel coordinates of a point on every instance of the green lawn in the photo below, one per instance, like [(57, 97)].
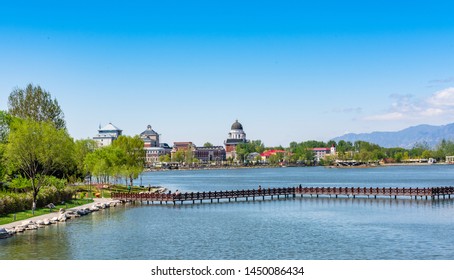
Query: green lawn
[(41, 211)]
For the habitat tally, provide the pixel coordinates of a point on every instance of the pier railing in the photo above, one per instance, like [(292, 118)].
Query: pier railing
[(433, 193)]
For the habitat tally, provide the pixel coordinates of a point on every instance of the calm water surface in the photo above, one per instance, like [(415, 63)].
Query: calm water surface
[(307, 228)]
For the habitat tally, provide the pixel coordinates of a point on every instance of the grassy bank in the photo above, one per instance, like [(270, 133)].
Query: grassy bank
[(23, 215), (82, 195)]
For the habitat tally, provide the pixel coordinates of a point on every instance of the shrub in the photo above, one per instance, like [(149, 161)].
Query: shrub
[(12, 202)]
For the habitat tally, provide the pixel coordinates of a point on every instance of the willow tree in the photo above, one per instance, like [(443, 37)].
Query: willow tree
[(36, 104), (131, 161), (36, 150), (82, 148)]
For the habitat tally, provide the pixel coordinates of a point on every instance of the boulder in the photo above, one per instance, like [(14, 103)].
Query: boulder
[(32, 227), (54, 220), (46, 222), (83, 212), (50, 206), (27, 223), (62, 217), (4, 233), (40, 223), (19, 229)]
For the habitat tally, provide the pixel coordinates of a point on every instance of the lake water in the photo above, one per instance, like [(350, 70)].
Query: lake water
[(302, 228)]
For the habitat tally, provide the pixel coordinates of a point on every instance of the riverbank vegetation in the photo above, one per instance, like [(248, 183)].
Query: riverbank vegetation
[(40, 163)]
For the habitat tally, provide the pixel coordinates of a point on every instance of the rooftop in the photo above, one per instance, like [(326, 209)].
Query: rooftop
[(109, 127)]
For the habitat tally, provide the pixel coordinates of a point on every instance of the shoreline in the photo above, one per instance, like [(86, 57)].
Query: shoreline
[(58, 216), (290, 166)]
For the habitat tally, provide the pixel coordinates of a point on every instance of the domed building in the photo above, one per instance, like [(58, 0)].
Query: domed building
[(152, 146), (236, 136), (150, 137)]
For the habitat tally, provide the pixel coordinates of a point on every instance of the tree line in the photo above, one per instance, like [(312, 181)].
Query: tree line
[(345, 150)]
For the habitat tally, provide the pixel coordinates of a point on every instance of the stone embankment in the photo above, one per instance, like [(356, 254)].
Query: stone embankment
[(58, 217)]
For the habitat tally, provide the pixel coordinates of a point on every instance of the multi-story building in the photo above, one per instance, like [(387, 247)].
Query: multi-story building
[(153, 148), (210, 154), (236, 136), (107, 134), (321, 153), (182, 146)]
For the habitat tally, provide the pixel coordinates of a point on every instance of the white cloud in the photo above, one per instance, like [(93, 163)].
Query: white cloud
[(432, 112), (443, 98), (440, 105), (386, 117)]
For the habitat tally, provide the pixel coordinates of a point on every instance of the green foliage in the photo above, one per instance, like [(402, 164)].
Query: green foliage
[(15, 202), (82, 148), (165, 158), (36, 150), (178, 156), (36, 104), (208, 145), (20, 183), (302, 152), (276, 159), (131, 156), (445, 148), (5, 122), (244, 149), (124, 158)]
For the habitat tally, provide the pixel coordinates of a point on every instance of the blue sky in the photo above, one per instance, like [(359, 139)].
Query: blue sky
[(287, 70)]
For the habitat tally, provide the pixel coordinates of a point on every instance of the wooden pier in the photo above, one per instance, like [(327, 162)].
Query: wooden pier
[(292, 192)]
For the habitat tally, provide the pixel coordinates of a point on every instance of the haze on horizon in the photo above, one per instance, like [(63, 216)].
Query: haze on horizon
[(288, 71)]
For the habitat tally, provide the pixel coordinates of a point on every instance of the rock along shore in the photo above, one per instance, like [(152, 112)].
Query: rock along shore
[(57, 217)]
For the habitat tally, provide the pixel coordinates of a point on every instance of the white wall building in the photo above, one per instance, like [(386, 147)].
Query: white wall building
[(107, 135)]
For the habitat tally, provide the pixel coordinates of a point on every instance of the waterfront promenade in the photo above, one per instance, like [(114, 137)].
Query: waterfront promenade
[(292, 192)]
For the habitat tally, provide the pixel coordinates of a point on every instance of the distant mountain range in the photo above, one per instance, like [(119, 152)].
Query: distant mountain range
[(407, 138)]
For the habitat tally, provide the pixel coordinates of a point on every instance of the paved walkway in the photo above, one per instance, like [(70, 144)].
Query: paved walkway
[(55, 213)]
